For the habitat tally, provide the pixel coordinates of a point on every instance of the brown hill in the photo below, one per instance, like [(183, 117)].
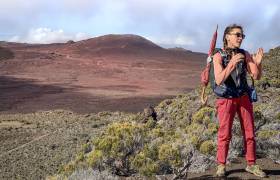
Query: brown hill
[(6, 53), (82, 76), (117, 42)]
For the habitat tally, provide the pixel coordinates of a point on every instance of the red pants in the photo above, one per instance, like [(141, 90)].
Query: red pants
[(226, 109)]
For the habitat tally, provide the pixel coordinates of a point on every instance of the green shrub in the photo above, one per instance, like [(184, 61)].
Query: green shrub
[(94, 158), (157, 132), (207, 147), (151, 123), (212, 128), (204, 115), (195, 128), (144, 164), (266, 134), (165, 103), (119, 143), (170, 155), (195, 140), (195, 132), (277, 117), (80, 156)]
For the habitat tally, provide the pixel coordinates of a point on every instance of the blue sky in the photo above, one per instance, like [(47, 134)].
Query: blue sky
[(177, 23)]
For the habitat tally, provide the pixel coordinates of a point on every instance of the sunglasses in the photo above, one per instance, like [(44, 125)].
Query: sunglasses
[(239, 35)]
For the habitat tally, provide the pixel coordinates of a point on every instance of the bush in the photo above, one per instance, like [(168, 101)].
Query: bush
[(94, 158), (145, 165), (266, 134), (170, 155), (207, 147), (212, 128), (119, 142), (204, 115)]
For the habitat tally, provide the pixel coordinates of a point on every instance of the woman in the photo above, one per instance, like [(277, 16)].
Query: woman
[(230, 75)]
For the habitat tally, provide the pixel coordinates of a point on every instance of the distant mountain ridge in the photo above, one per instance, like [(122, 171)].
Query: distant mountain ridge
[(122, 41), (129, 44)]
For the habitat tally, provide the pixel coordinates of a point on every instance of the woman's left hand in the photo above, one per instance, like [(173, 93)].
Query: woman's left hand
[(257, 58)]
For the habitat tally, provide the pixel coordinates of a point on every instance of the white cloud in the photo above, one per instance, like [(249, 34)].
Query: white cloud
[(184, 41), (80, 36), (47, 35)]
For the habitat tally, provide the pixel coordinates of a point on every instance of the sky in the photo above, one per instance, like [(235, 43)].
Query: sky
[(169, 23)]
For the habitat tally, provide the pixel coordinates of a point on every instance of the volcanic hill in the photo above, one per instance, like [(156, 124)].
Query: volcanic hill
[(93, 75)]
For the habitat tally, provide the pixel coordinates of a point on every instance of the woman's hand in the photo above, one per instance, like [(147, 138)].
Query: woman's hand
[(257, 58), (237, 58)]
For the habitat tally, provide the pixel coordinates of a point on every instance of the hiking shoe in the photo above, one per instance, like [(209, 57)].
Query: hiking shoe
[(221, 170), (256, 170)]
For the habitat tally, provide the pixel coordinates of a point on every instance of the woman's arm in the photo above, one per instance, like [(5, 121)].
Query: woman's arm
[(221, 74), (254, 66)]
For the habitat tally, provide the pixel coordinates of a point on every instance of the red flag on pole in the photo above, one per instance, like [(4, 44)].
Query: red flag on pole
[(213, 42), (205, 73)]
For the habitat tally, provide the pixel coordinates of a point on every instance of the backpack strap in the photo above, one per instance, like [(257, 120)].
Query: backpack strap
[(221, 51), (210, 60)]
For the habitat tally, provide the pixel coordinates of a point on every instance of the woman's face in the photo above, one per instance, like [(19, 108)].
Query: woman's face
[(234, 38)]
